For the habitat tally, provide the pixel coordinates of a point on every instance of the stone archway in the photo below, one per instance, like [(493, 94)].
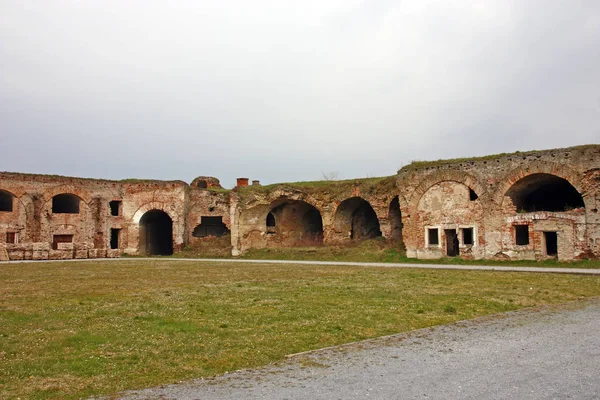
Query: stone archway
[(156, 233), (356, 219)]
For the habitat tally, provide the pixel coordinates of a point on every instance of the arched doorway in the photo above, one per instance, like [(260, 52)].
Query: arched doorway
[(294, 223), (156, 234), (356, 218)]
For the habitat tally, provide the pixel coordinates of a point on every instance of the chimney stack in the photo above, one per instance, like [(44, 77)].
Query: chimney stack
[(241, 182)]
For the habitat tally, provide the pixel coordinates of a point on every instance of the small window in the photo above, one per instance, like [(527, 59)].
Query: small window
[(467, 236), (433, 237), (65, 204), (6, 201), (61, 239), (472, 195), (11, 237), (210, 226), (522, 235), (115, 208), (114, 238)]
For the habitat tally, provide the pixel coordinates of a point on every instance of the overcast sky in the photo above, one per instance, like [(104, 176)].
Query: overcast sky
[(286, 90)]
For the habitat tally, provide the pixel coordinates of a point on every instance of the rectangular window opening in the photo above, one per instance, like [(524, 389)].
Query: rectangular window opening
[(115, 208), (522, 235), (114, 238), (11, 237), (6, 201), (467, 236), (433, 238)]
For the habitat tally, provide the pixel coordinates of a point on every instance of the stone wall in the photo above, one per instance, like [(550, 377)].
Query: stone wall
[(530, 205), (493, 213)]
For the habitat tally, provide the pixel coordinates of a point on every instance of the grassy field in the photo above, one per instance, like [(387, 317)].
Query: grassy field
[(71, 330)]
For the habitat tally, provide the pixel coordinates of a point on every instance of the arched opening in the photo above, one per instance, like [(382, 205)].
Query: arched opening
[(544, 192), (270, 224), (202, 184), (270, 220), (6, 201), (65, 203), (395, 218), (472, 195), (295, 222), (210, 226), (313, 225), (356, 217), (156, 234)]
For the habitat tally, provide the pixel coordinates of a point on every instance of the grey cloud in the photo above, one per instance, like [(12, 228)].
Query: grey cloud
[(285, 90)]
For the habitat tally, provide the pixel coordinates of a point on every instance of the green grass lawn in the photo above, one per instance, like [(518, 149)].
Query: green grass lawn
[(70, 330)]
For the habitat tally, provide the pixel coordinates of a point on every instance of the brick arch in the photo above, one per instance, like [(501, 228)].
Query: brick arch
[(155, 205), (539, 167), (83, 194), (343, 218), (443, 176), (279, 197)]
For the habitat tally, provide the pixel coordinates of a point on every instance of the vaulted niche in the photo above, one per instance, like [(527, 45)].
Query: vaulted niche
[(356, 217), (156, 234), (6, 201), (544, 192), (270, 220), (210, 226), (295, 220), (395, 218), (65, 203)]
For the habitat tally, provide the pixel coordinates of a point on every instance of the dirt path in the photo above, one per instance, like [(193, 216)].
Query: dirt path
[(548, 353), (580, 271)]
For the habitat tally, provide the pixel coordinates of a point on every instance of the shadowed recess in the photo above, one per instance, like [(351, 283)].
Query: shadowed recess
[(156, 233), (544, 192)]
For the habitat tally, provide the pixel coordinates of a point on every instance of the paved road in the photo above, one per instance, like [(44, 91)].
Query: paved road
[(551, 353), (580, 271)]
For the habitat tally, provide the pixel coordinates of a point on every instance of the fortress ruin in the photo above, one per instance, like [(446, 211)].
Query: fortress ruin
[(531, 205)]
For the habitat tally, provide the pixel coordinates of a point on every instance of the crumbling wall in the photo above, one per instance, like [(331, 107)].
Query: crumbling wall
[(43, 233), (470, 208), (289, 204), (493, 213)]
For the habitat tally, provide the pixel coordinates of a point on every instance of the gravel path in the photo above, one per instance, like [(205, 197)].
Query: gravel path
[(548, 353), (579, 271)]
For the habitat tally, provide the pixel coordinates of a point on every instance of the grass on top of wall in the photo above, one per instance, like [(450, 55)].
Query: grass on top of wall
[(77, 329)]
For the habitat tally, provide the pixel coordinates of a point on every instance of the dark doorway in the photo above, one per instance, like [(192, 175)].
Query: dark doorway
[(551, 239), (313, 226), (395, 218), (452, 249), (114, 238), (156, 234), (294, 223), (356, 217), (365, 224)]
